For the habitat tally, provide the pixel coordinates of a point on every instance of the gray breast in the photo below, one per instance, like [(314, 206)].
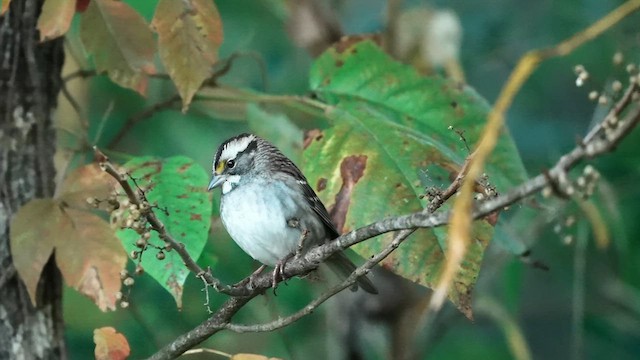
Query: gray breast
[(267, 220)]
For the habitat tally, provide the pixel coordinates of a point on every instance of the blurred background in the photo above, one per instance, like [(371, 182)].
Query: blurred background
[(586, 305)]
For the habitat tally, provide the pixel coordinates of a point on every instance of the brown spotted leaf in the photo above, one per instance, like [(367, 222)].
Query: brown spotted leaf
[(393, 134), (110, 345), (87, 251), (90, 257), (120, 41), (190, 34), (55, 18), (32, 239), (179, 187)]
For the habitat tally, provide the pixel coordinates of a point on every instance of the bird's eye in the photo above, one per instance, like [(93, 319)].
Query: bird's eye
[(231, 164)]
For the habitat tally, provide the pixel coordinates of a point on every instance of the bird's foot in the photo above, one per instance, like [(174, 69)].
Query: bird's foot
[(303, 237), (277, 272)]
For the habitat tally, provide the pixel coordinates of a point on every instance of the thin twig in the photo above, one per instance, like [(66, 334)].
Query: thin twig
[(346, 283), (223, 66), (158, 226), (207, 303), (441, 198), (615, 111), (146, 113), (74, 104), (78, 74)]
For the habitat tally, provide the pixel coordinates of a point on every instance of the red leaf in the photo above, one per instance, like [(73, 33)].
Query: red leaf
[(81, 5), (55, 19), (110, 345)]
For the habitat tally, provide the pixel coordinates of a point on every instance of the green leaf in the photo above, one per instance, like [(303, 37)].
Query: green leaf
[(179, 188), (394, 133)]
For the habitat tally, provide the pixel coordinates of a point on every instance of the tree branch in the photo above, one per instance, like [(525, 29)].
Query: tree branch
[(157, 225), (142, 115), (346, 283)]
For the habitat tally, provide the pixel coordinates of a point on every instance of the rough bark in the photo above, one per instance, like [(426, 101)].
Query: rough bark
[(29, 84)]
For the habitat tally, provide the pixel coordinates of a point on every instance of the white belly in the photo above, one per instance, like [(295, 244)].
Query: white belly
[(258, 223)]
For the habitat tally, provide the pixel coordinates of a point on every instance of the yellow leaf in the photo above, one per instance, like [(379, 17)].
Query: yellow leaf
[(5, 6), (190, 34), (251, 357), (55, 18)]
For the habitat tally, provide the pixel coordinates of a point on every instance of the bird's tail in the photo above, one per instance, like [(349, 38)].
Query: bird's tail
[(343, 267)]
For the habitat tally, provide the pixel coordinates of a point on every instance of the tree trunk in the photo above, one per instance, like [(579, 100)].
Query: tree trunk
[(29, 84)]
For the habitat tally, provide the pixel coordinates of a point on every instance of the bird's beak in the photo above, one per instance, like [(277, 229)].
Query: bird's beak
[(216, 181)]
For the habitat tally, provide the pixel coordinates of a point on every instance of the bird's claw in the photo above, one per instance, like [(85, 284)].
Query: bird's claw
[(278, 272)]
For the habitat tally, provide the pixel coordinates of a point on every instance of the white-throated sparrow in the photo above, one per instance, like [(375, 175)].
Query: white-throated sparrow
[(268, 207)]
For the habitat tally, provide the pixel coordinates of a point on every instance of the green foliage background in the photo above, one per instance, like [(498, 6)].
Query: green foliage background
[(544, 121)]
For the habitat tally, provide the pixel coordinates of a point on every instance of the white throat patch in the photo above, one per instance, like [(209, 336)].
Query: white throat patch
[(230, 183)]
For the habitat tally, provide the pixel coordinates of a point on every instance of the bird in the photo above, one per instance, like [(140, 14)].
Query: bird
[(269, 209)]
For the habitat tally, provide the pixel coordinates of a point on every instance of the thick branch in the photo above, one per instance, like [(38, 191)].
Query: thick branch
[(347, 283)]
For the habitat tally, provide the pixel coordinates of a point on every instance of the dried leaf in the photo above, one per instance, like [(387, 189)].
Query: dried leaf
[(55, 18), (90, 257), (120, 41), (110, 345), (5, 6), (190, 34), (87, 250), (240, 356), (84, 182), (251, 357), (31, 239)]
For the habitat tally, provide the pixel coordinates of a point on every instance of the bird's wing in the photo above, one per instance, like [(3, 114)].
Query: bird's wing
[(318, 207)]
